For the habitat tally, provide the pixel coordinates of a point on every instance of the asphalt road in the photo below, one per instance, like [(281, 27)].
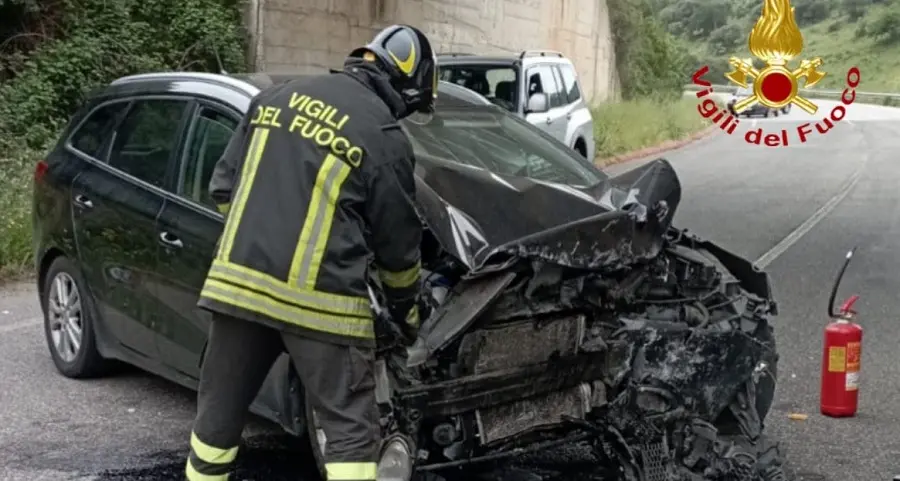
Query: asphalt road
[(799, 208)]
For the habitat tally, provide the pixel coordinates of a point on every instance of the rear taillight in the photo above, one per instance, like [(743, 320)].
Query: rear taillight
[(39, 170)]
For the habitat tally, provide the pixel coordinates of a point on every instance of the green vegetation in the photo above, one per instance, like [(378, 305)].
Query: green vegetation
[(844, 33), (621, 127), (53, 52), (652, 67)]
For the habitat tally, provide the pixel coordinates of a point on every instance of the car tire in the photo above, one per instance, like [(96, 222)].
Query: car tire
[(69, 322), (580, 148)]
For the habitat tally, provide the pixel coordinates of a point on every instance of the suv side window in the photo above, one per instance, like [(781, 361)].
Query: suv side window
[(540, 80), (146, 139), (95, 131), (210, 135), (570, 82)]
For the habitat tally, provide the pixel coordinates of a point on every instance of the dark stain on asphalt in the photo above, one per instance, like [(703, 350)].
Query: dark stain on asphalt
[(287, 458), (261, 458)]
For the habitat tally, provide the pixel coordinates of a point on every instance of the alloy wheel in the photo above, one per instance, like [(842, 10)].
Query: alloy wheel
[(66, 317)]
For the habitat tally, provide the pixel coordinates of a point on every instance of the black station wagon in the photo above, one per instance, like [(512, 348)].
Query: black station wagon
[(124, 228)]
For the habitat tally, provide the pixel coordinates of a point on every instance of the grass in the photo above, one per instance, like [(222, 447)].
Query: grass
[(836, 41), (621, 127), (15, 213)]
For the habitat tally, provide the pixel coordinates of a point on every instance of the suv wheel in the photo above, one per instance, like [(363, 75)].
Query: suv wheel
[(580, 148), (69, 322)]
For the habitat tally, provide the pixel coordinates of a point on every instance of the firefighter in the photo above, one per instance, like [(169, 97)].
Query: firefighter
[(316, 181)]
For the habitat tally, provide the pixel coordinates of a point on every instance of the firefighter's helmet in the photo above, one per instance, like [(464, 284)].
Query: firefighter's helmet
[(405, 53)]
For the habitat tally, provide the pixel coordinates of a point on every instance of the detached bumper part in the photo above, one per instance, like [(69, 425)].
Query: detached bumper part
[(396, 463)]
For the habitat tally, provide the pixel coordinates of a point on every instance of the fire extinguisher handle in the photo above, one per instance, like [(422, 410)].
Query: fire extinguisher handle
[(847, 307), (837, 283)]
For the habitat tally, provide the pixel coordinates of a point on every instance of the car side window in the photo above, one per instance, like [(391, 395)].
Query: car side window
[(210, 134), (570, 82), (146, 139), (540, 80), (563, 99), (95, 131)]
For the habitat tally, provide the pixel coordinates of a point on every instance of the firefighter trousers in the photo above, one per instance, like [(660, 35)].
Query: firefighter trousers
[(339, 381)]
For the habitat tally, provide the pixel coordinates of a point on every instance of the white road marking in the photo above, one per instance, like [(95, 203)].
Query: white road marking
[(807, 225), (34, 321)]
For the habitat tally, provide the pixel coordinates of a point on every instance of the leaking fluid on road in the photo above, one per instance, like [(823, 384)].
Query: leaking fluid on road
[(286, 458)]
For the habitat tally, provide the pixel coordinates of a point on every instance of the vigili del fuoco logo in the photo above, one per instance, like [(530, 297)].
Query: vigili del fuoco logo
[(775, 40)]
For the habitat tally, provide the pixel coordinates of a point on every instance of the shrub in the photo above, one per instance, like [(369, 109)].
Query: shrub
[(649, 60), (75, 46)]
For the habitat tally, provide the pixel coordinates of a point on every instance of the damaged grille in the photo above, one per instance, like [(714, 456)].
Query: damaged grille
[(520, 344), (655, 457)]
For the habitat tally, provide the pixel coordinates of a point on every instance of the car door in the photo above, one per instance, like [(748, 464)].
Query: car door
[(566, 105), (188, 230), (115, 206), (578, 119), (540, 79)]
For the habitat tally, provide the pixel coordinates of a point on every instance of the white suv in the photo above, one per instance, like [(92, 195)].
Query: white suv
[(540, 86)]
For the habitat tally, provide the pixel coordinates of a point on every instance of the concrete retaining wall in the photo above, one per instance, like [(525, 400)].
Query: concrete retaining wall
[(312, 35)]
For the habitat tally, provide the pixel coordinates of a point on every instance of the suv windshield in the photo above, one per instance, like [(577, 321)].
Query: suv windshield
[(497, 83), (491, 139)]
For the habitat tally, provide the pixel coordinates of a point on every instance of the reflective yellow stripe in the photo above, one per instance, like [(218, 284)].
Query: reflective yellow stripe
[(350, 471), (248, 173), (413, 317), (223, 208), (280, 290), (262, 304), (401, 279), (317, 226), (212, 454), (194, 475)]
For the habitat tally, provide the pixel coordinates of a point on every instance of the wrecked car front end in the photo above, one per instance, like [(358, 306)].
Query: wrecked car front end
[(581, 315)]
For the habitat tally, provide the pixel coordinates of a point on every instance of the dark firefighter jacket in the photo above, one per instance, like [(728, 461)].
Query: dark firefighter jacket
[(316, 181)]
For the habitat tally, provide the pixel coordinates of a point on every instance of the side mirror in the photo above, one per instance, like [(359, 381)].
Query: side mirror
[(538, 103)]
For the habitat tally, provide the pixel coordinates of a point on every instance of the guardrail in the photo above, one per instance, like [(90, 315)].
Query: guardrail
[(882, 98)]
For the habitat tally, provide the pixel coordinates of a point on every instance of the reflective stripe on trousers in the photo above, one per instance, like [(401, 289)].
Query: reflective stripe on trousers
[(350, 471), (209, 463)]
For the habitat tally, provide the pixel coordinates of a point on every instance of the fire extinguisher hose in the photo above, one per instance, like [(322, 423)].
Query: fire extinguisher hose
[(837, 283)]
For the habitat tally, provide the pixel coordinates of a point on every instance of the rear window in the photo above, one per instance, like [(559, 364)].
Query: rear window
[(92, 135), (495, 82)]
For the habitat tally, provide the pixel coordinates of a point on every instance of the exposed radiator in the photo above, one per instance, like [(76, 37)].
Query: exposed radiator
[(522, 343), (519, 344)]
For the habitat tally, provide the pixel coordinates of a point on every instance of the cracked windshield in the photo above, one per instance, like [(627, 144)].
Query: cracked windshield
[(462, 240)]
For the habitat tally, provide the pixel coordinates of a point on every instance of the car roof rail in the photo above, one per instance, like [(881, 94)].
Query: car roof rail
[(541, 53), (455, 54), (220, 78)]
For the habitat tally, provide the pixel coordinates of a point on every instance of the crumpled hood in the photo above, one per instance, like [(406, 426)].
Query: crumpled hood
[(478, 215)]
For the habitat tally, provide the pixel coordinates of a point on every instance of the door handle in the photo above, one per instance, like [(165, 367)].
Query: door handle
[(83, 201), (549, 120), (569, 116), (170, 240)]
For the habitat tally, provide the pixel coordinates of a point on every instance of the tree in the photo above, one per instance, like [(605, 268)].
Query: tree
[(885, 29), (695, 19), (725, 39), (811, 11)]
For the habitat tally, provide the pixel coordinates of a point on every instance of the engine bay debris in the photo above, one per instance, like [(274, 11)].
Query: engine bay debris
[(616, 331)]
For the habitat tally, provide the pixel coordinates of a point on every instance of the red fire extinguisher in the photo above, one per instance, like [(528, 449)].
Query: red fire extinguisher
[(841, 357)]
